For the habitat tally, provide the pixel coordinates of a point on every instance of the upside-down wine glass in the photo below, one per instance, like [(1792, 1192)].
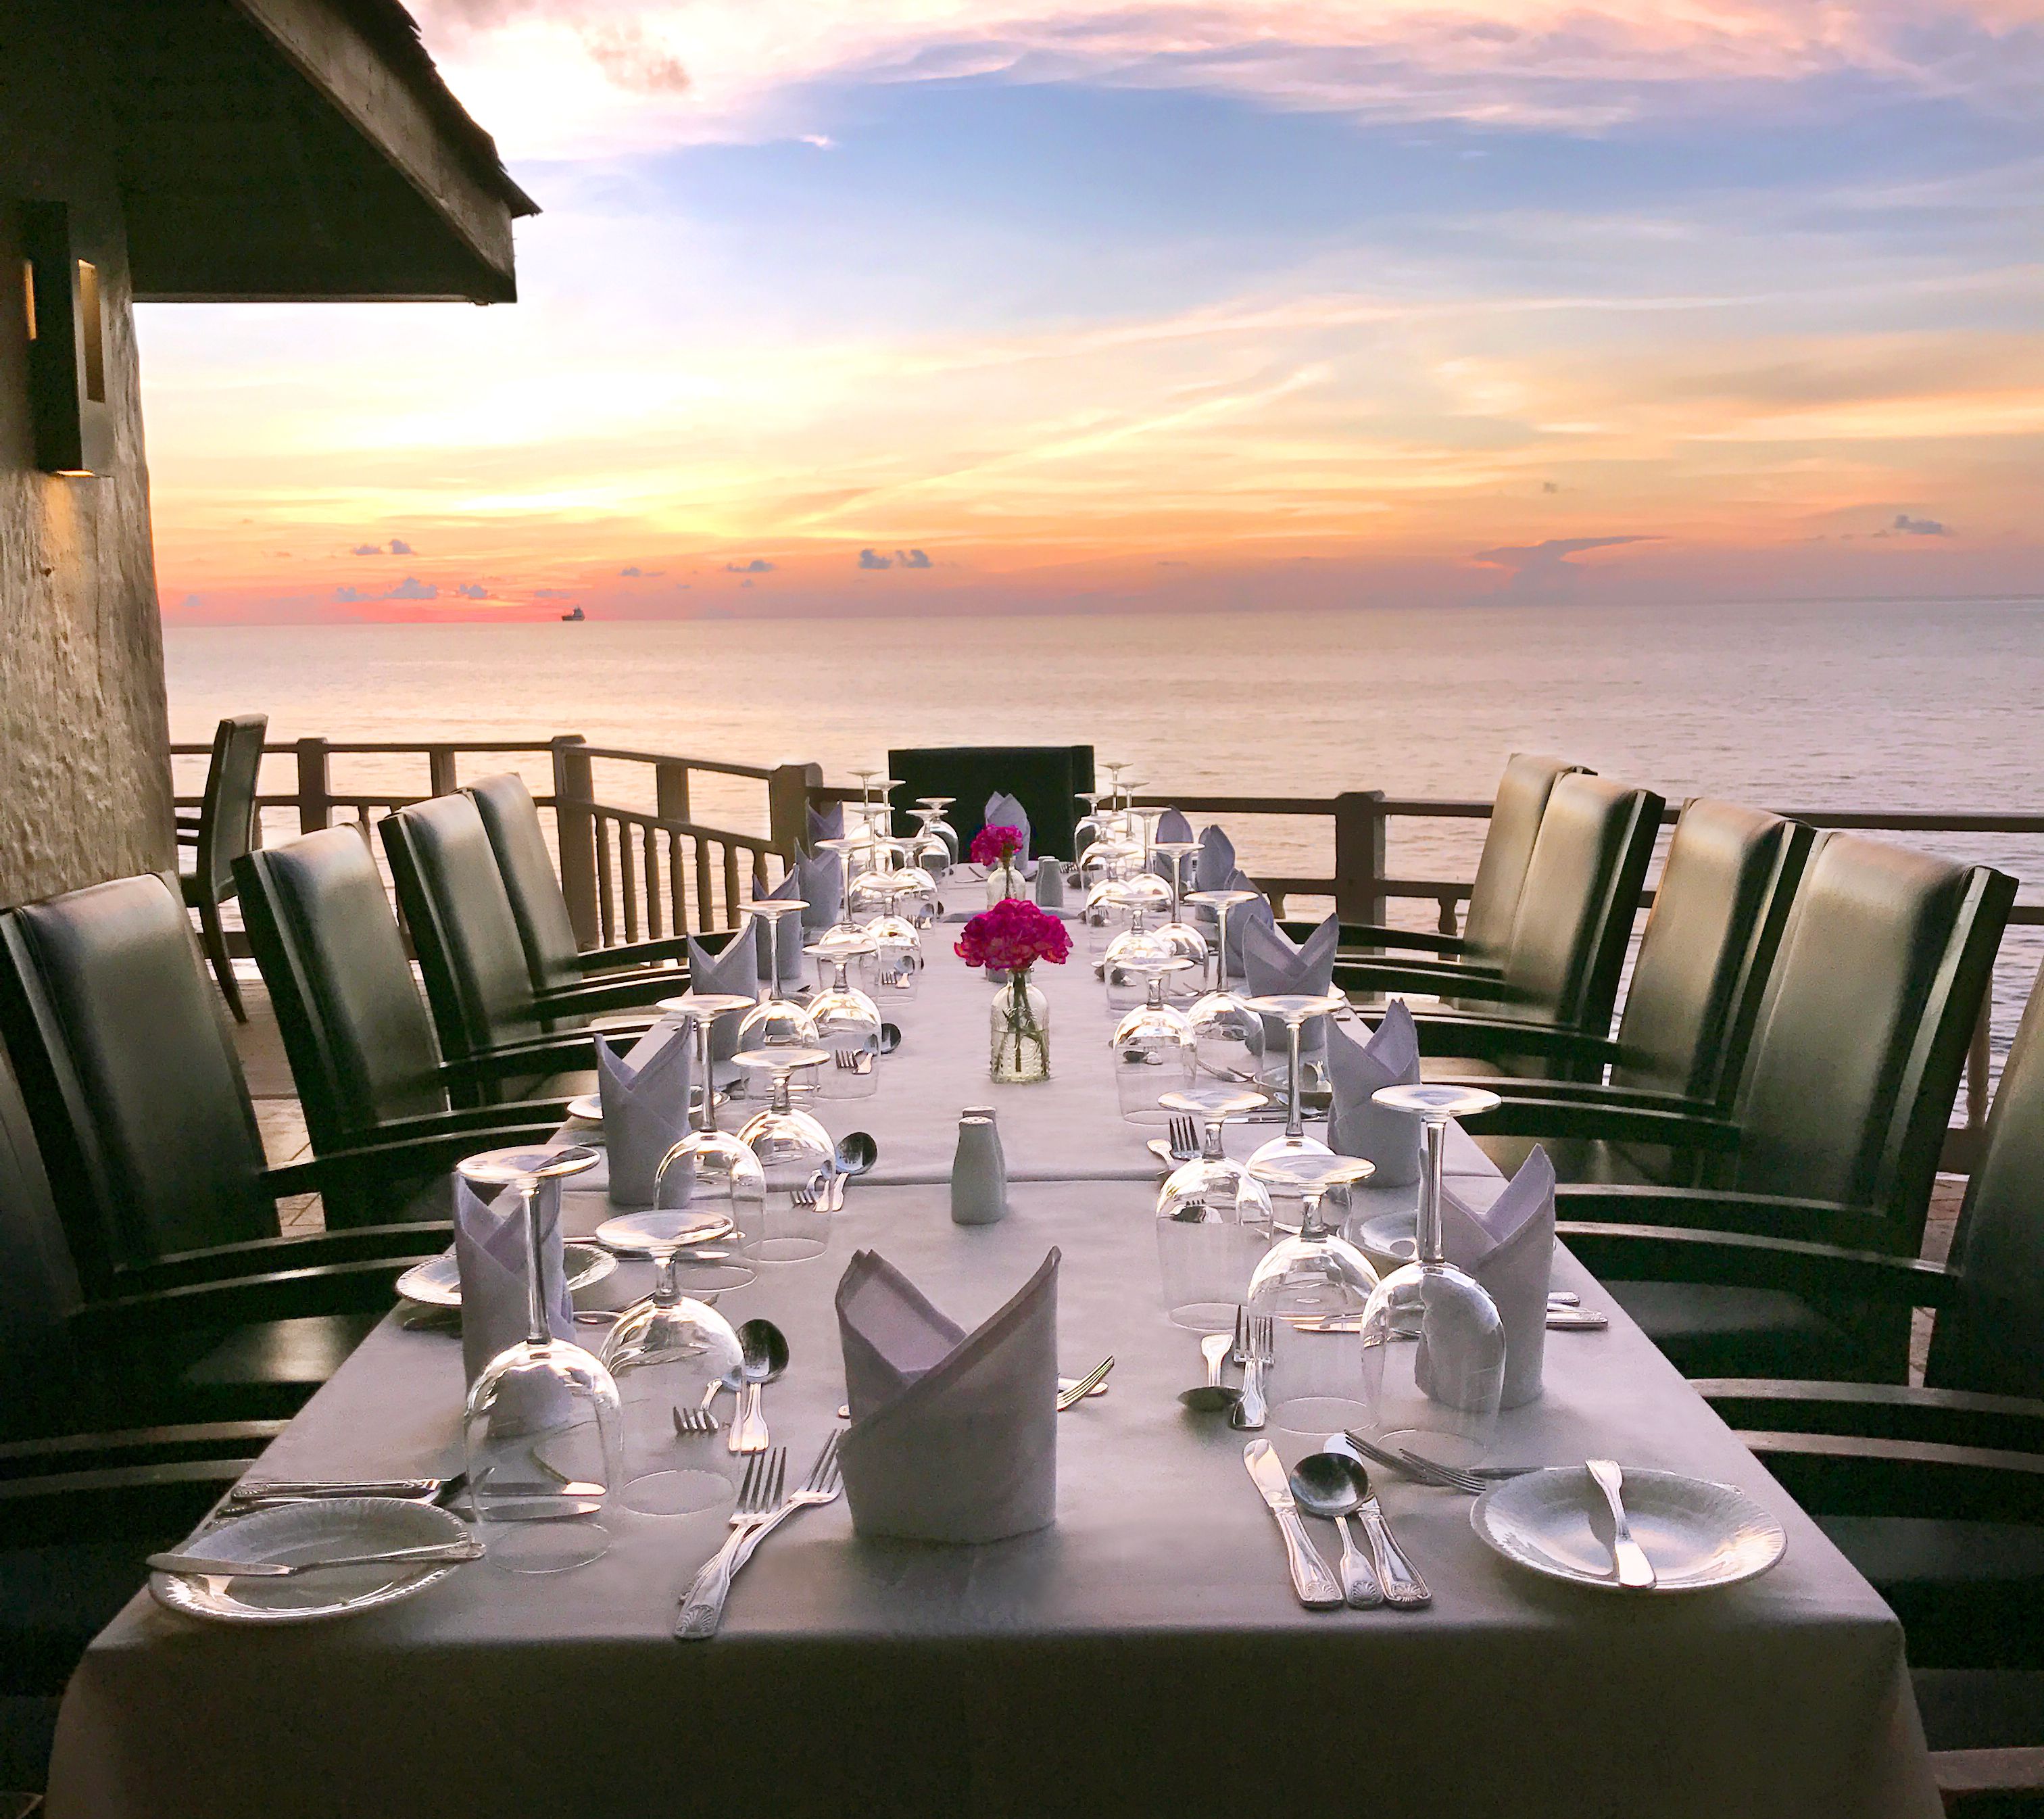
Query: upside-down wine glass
[(897, 961), (1213, 1218), (723, 1177), (1124, 967), (1294, 1153), (1181, 936), (1315, 1287), (939, 823), (777, 1021), (1106, 913), (1152, 1045), (847, 1022), (796, 1156), (1433, 1342), (1229, 1033), (540, 1428)]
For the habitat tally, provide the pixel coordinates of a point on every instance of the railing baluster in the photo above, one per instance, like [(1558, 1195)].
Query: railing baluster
[(676, 884), (606, 917), (628, 881), (706, 895), (315, 797), (731, 892), (649, 843)]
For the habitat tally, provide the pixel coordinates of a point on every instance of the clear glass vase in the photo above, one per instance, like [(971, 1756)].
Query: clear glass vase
[(1018, 1029), (1005, 881)]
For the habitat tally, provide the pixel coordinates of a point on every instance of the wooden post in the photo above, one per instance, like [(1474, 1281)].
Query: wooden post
[(574, 823), (315, 797), (439, 770), (670, 791), (788, 806), (1359, 821)]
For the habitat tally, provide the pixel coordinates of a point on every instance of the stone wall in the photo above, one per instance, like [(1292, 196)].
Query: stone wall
[(85, 781)]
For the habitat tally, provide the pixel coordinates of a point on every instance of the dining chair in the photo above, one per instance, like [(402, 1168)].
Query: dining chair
[(1561, 967), (511, 819), (223, 829), (135, 1098), (1832, 1137), (1702, 966), (1936, 1492), (1045, 779), (1514, 824), (471, 959), (355, 1029)]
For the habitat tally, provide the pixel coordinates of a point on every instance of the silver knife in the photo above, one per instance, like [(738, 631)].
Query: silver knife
[(297, 1489), (1318, 1588), (434, 1554)]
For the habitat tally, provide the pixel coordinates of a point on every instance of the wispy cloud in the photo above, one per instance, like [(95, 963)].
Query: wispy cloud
[(758, 565)]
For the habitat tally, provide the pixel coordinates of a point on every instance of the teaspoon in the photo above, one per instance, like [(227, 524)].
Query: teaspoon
[(1403, 1589), (1325, 1485), (765, 1349), (1213, 1397)]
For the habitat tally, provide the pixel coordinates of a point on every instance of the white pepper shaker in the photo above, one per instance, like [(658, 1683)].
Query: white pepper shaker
[(979, 1172)]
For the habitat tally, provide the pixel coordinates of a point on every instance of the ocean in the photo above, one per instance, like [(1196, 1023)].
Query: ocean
[(1807, 705)]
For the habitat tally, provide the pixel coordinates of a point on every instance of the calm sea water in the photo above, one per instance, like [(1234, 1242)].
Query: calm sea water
[(1805, 706)]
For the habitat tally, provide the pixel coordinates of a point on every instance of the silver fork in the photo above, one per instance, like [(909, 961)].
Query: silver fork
[(1184, 1137), (702, 1606), (856, 1060), (699, 1420), (758, 1496), (1253, 1411), (810, 1194), (1084, 1386)]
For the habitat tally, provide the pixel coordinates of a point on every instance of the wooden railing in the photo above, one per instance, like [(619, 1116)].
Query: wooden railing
[(651, 867)]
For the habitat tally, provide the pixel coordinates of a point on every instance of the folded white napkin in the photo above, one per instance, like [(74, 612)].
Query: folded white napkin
[(1272, 965), (490, 1252), (826, 824), (953, 1434), (1359, 1126), (819, 883), (787, 961), (645, 1113), (1173, 826), (1257, 910), (1213, 866), (1509, 1247), (1003, 811), (734, 972)]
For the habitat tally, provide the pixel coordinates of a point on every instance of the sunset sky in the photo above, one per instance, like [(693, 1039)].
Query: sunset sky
[(959, 305)]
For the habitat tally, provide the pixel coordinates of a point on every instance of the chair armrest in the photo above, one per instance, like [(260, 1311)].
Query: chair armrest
[(555, 1054), (1831, 1222), (1420, 976), (1585, 1093), (1963, 1773), (1852, 1474), (665, 949), (515, 1121), (406, 1158), (135, 1446), (634, 991), (1487, 1038), (143, 1505), (260, 1256), (365, 1286), (1357, 939), (1613, 1121), (1748, 1260), (1878, 1411)]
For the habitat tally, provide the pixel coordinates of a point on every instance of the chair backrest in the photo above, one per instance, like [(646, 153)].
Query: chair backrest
[(1582, 889), (1722, 900), (1863, 1029), (1522, 796), (511, 818), (1044, 778), (1991, 1337), (131, 1077), (38, 1283), (462, 925), (227, 811), (360, 1044)]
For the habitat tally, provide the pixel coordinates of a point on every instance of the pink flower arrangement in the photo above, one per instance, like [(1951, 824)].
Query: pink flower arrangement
[(1013, 935), (995, 846)]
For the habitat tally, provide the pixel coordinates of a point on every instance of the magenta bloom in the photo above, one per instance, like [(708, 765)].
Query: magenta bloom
[(1013, 935), (995, 846)]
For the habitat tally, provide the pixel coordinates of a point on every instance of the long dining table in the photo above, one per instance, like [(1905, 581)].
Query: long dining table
[(1143, 1655)]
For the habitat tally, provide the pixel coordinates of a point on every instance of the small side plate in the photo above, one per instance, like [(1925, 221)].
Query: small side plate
[(588, 1107), (436, 1283), (286, 1532), (1698, 1534)]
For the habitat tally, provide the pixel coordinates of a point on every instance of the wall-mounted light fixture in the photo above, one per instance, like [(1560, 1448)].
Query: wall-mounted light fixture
[(66, 332)]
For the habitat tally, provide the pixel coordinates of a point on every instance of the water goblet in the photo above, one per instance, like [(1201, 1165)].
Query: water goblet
[(1106, 913), (540, 1428), (724, 1186), (1230, 1034), (1433, 1342), (847, 1022), (1294, 1152), (898, 962), (1315, 1288), (1152, 1045), (797, 1158), (1182, 936), (1124, 966), (1213, 1218), (938, 824), (1086, 829)]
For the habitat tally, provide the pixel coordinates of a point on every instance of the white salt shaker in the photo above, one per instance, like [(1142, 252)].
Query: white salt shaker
[(979, 1171)]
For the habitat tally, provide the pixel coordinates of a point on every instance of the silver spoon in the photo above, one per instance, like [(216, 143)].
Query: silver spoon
[(1403, 1589), (856, 1153), (1325, 1484), (890, 1037), (765, 1356), (1213, 1397)]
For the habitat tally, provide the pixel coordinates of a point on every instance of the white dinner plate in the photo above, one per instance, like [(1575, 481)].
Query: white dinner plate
[(318, 1527), (1698, 1535), (437, 1281), (588, 1107)]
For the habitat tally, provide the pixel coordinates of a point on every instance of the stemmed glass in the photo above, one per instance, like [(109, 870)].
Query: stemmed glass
[(769, 910), (1125, 968), (1106, 913), (928, 850), (1294, 1153), (898, 964), (1230, 1034), (1213, 1218), (666, 1351), (936, 822), (540, 1427), (847, 1022), (1152, 1045), (1182, 936), (1315, 1288), (797, 1158), (705, 1237), (1433, 1342), (1086, 829)]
